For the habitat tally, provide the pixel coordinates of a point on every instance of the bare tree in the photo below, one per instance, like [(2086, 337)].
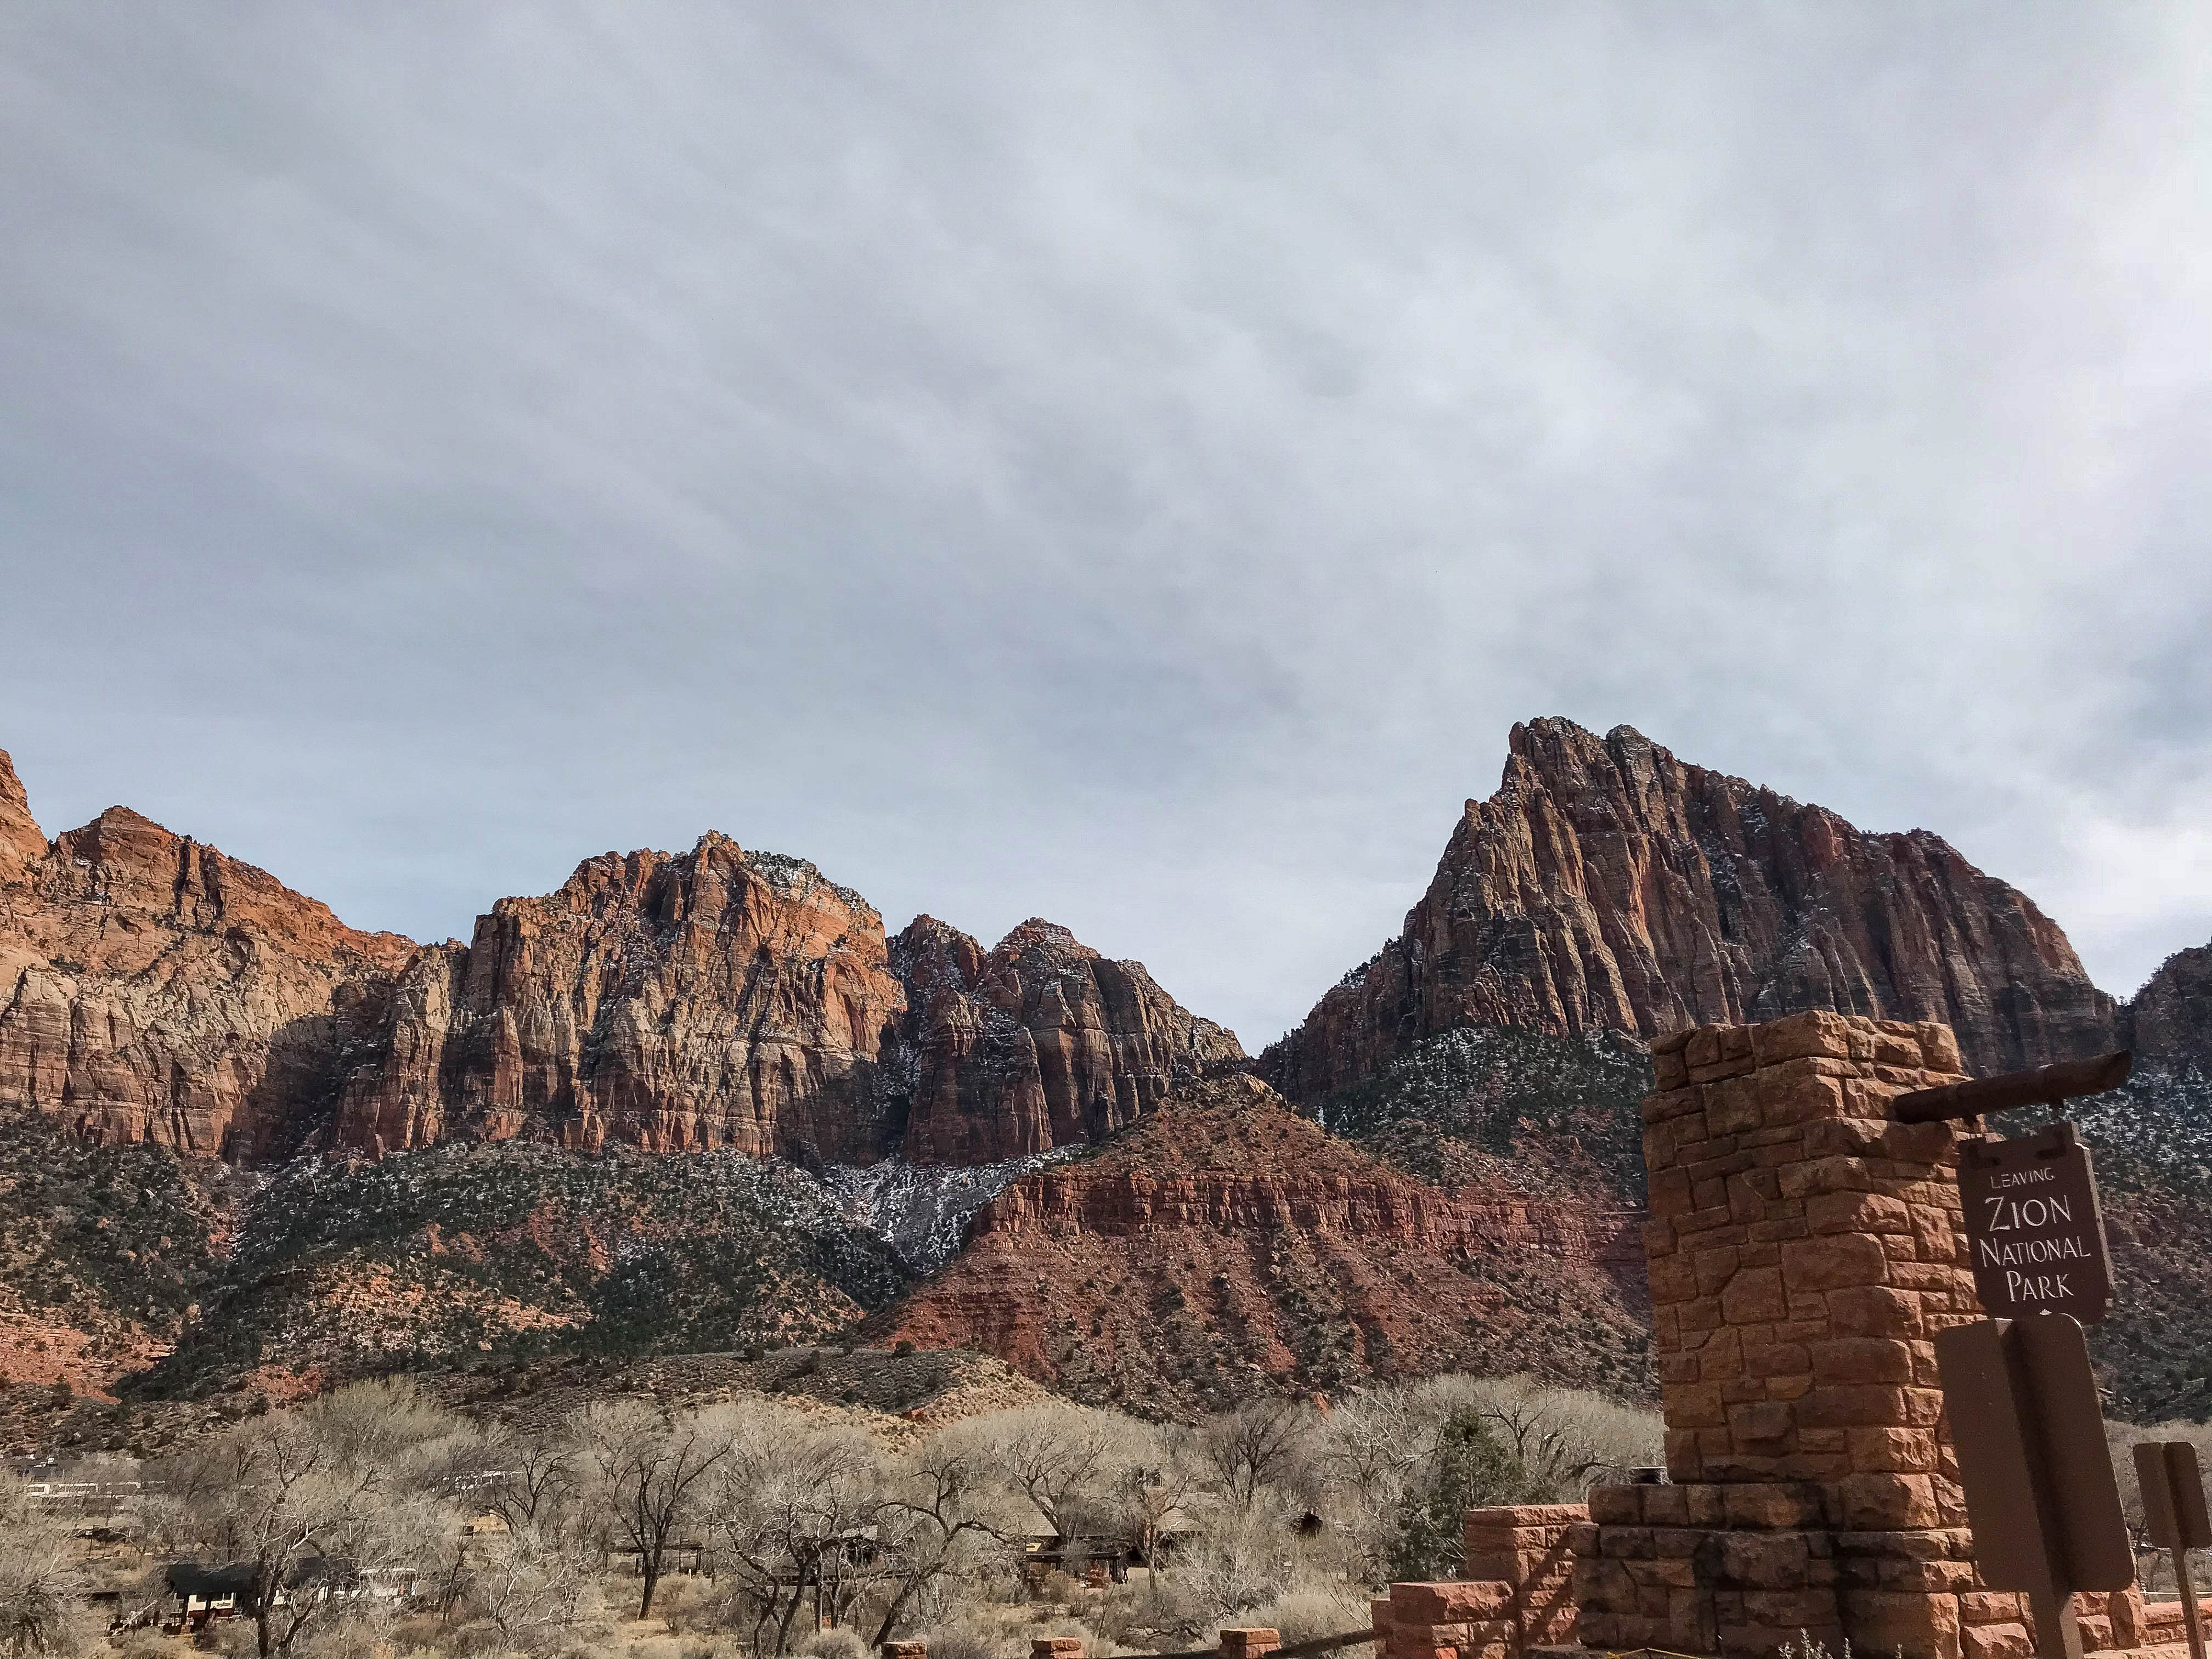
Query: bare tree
[(529, 1481), (1565, 1436), (275, 1495), (644, 1475), (1058, 1457), (794, 1515), (531, 1585), (1255, 1447), (938, 1509), (38, 1583)]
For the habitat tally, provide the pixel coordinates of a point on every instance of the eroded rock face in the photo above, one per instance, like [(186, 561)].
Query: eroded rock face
[(152, 988), (1607, 885), (1040, 1042), (715, 998), (22, 843), (2171, 1017)]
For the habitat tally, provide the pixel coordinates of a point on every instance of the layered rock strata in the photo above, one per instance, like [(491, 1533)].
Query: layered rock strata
[(1040, 1042), (730, 999), (1607, 885), (152, 988), (1226, 1240)]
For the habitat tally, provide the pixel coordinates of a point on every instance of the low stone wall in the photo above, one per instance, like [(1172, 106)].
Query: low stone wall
[(1518, 1592)]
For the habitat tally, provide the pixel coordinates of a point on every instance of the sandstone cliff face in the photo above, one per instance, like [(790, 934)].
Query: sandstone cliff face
[(729, 999), (1041, 1042), (717, 998), (22, 843), (1608, 885), (152, 988), (1226, 1240)]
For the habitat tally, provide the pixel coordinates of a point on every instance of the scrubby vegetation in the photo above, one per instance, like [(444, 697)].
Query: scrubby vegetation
[(1502, 1106), (759, 1528), (518, 1250)]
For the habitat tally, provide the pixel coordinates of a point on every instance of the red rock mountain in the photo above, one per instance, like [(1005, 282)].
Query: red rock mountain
[(1226, 1239), (1608, 885), (152, 988), (1042, 1042), (718, 998)]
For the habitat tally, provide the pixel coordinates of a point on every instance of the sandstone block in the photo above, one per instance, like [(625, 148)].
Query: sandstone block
[(1694, 1406), (1991, 1607), (1761, 1423), (2009, 1641), (1906, 1451), (1778, 1359), (1763, 1560), (1456, 1601), (1673, 1278), (1857, 1213), (1939, 1048), (1666, 1506), (1771, 1507), (1862, 1359), (1832, 1263), (1735, 1106), (1873, 1310), (1754, 1295), (1619, 1505), (1920, 1627), (1885, 1502), (1797, 1036)]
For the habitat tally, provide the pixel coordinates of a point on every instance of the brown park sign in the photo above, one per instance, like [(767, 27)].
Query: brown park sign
[(2033, 1227)]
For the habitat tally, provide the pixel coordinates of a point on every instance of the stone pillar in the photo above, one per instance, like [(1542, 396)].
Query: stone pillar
[(905, 1651), (1055, 1646), (1249, 1642), (1525, 1547), (1804, 1248), (1455, 1619)]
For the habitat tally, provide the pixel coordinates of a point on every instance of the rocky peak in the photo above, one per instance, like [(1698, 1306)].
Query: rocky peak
[(2172, 1015), (153, 989), (678, 1002), (1608, 884), (22, 843), (1225, 1243), (1039, 1042)]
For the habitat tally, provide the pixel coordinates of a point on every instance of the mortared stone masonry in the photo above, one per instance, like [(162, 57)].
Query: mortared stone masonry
[(1805, 1247)]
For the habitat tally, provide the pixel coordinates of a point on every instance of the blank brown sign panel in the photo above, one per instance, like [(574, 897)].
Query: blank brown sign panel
[(2030, 1433)]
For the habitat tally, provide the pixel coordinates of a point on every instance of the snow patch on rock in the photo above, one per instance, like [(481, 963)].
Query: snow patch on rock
[(922, 1210)]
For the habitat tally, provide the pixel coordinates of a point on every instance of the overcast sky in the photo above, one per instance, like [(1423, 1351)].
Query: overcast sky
[(1130, 464)]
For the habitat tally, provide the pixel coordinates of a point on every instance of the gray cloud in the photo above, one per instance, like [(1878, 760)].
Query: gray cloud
[(1125, 464)]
